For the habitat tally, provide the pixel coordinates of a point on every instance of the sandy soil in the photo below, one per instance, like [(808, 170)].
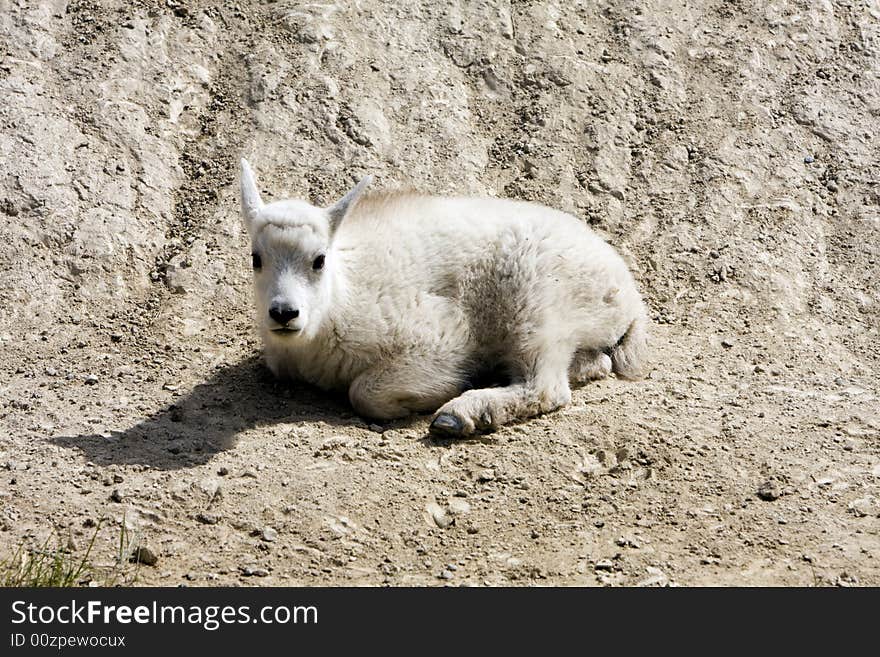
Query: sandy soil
[(728, 149)]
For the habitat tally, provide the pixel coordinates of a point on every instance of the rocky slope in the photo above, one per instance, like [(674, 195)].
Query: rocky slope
[(728, 149)]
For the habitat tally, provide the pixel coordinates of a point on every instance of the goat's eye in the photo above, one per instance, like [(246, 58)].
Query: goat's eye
[(257, 262), (318, 263)]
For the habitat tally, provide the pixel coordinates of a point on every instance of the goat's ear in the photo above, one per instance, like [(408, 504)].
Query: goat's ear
[(343, 206), (250, 195)]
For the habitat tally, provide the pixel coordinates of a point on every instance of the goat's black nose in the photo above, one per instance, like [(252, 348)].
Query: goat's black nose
[(283, 314)]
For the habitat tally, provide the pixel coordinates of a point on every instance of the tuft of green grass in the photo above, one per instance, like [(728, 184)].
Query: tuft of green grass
[(48, 566)]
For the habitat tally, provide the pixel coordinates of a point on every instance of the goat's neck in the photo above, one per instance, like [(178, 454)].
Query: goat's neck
[(335, 302)]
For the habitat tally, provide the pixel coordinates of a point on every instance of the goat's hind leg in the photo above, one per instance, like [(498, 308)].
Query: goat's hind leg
[(542, 388), (589, 365)]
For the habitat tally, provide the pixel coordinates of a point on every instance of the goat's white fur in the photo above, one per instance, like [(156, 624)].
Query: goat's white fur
[(418, 294)]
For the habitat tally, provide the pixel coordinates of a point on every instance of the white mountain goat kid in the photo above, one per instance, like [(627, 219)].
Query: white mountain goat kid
[(403, 299)]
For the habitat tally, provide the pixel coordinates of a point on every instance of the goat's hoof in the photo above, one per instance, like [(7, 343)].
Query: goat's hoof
[(446, 424)]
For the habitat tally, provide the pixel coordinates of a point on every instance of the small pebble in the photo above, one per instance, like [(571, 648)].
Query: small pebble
[(91, 379), (116, 495), (143, 554), (605, 564), (445, 574), (809, 159), (269, 535)]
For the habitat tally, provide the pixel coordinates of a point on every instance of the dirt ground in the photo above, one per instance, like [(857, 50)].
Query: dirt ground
[(728, 148)]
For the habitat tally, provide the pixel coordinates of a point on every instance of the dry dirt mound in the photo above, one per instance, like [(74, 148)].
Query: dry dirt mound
[(729, 149)]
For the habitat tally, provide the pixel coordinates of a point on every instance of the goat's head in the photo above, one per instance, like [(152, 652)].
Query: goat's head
[(293, 259)]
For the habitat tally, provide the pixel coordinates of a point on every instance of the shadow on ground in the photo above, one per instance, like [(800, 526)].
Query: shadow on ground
[(207, 420)]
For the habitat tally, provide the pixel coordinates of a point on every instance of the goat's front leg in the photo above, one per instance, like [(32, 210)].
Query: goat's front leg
[(486, 409), (396, 390)]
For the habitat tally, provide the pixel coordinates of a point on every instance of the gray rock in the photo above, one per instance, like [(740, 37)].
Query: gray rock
[(486, 475), (770, 490), (862, 507), (253, 571), (269, 535), (438, 515), (208, 518), (656, 577), (458, 506)]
